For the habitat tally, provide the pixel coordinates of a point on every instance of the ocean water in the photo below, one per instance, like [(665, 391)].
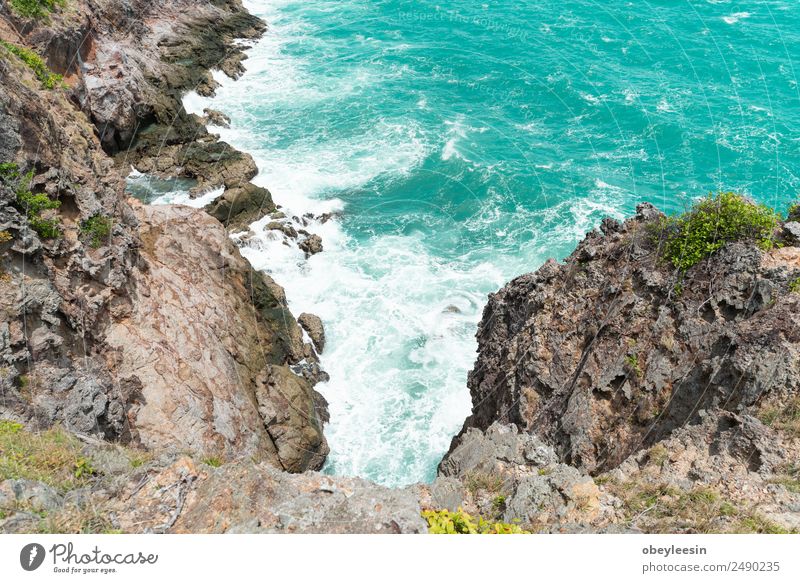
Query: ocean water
[(460, 144)]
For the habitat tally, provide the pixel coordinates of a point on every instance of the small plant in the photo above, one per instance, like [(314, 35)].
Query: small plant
[(83, 468), (459, 522), (711, 224), (632, 360), (658, 454), (35, 63), (481, 481), (34, 8), (33, 205), (499, 503), (212, 461), (97, 228)]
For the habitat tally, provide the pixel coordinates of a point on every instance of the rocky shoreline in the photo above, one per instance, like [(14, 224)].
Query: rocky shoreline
[(166, 386)]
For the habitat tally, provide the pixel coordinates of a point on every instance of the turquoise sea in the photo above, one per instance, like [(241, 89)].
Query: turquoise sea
[(462, 144)]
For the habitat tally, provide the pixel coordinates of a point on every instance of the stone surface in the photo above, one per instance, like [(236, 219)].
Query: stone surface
[(613, 350), (313, 325)]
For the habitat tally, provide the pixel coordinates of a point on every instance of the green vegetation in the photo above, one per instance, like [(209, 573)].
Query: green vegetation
[(711, 224), (52, 456), (97, 228), (459, 522), (499, 503), (632, 360), (788, 477), (212, 461), (33, 205), (658, 455), (46, 77), (34, 8)]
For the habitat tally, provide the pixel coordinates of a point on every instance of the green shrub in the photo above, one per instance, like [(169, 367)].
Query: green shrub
[(46, 77), (29, 203), (97, 228), (712, 223), (34, 8), (459, 522)]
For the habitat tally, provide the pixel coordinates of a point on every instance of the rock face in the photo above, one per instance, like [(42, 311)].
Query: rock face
[(611, 393), (202, 349), (610, 352), (158, 332)]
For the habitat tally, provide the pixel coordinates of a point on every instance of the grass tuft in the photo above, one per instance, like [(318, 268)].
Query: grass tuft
[(53, 457)]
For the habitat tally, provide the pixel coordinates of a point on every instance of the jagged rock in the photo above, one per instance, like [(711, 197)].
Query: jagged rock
[(239, 206), (246, 497), (217, 118), (285, 228), (311, 245), (603, 354), (791, 231), (313, 325)]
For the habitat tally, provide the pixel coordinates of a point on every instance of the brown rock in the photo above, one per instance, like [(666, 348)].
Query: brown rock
[(313, 325)]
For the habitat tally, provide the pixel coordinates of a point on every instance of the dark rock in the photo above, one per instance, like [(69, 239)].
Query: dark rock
[(311, 245), (601, 356), (217, 118)]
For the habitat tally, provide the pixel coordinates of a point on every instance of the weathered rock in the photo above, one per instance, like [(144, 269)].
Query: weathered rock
[(313, 325), (246, 497), (217, 118), (311, 245), (28, 495), (603, 355), (241, 205), (213, 335), (791, 231)]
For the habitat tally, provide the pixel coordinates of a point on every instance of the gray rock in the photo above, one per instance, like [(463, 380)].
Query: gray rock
[(791, 231), (28, 494)]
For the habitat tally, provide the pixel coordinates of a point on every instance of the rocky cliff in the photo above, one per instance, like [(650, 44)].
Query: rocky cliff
[(152, 381), (660, 386), (140, 325)]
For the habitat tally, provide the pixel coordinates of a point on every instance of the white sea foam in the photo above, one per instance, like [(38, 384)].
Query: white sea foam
[(736, 17), (399, 321)]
